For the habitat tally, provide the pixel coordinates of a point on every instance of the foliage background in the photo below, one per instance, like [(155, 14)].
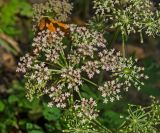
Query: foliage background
[(17, 115)]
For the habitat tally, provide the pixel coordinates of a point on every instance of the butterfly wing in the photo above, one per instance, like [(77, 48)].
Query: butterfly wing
[(52, 25), (42, 24)]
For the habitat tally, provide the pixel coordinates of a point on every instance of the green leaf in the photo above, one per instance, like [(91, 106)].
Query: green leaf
[(33, 128), (3, 128), (26, 9), (113, 118), (51, 113), (2, 106), (17, 86), (8, 15), (1, 31), (89, 91), (35, 131), (49, 127), (12, 99)]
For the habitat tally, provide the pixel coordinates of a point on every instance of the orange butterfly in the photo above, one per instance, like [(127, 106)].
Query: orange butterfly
[(52, 25)]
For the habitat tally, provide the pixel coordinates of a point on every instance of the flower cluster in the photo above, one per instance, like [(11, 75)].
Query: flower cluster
[(59, 65), (57, 96), (98, 23), (25, 62), (63, 63), (82, 117), (49, 62), (142, 119), (91, 67), (86, 110), (110, 91), (109, 59), (129, 74), (130, 16), (49, 43), (57, 9), (85, 42), (72, 77), (37, 80)]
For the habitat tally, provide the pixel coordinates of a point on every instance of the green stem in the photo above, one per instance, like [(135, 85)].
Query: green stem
[(53, 70), (104, 128), (72, 101), (59, 64), (89, 81), (63, 57), (79, 94), (141, 37), (114, 37), (81, 131), (123, 46)]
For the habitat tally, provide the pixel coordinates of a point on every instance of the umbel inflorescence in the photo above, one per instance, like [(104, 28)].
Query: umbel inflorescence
[(60, 64), (142, 119), (130, 16)]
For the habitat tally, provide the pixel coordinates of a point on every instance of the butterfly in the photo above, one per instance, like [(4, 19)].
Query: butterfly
[(52, 25)]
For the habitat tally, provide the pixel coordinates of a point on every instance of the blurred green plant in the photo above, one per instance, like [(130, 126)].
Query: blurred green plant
[(11, 13), (20, 115), (152, 86)]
